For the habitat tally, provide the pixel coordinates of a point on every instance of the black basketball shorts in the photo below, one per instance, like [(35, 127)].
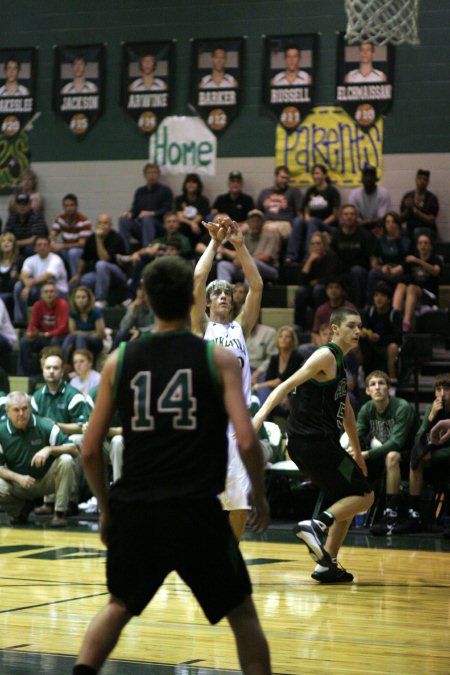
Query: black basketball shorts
[(193, 537)]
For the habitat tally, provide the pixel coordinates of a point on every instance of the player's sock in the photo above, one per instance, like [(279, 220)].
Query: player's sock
[(320, 568), (326, 518), (392, 502), (81, 669), (413, 502)]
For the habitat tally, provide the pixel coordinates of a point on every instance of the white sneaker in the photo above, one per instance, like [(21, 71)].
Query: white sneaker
[(91, 506)]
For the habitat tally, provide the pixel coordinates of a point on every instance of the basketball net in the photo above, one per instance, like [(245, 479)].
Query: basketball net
[(382, 21)]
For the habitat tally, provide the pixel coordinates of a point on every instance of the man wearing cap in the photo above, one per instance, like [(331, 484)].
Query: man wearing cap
[(371, 201), (382, 334), (37, 459), (150, 202), (25, 224), (263, 246), (234, 203), (419, 208), (281, 204)]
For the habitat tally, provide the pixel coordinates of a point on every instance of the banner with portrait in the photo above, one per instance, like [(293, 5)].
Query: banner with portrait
[(330, 137), (79, 86), (289, 77), (364, 80), (217, 68), (147, 87), (18, 73)]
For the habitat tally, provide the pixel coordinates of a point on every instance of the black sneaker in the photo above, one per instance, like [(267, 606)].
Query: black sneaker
[(410, 524), (335, 574), (312, 533), (386, 524)]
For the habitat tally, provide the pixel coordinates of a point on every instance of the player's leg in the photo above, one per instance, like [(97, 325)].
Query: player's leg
[(102, 635), (251, 643)]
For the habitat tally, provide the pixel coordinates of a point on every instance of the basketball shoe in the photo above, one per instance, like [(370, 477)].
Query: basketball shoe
[(313, 534)]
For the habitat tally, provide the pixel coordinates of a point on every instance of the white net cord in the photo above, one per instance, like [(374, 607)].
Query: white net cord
[(382, 21)]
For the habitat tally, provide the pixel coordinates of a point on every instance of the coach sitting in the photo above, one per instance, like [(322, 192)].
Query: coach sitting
[(36, 459)]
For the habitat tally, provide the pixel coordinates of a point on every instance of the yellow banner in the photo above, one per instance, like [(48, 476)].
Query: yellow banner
[(329, 136)]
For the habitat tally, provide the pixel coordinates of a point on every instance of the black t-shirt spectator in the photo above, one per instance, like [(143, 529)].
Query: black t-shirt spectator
[(322, 270), (114, 244), (429, 205), (293, 364), (387, 325), (320, 203), (236, 208), (392, 252), (421, 277), (32, 225), (354, 249)]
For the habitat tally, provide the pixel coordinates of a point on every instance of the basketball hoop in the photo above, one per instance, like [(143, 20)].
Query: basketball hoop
[(382, 21)]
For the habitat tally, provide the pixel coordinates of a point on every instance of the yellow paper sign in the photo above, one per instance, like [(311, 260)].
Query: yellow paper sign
[(329, 136)]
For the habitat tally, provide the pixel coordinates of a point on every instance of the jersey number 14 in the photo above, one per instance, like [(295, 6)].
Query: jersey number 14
[(176, 399)]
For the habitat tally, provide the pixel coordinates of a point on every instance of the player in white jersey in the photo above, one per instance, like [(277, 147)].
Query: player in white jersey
[(231, 334)]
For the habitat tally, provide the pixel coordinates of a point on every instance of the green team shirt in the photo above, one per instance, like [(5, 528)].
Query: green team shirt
[(395, 428), (17, 448), (115, 421), (66, 405), (3, 396)]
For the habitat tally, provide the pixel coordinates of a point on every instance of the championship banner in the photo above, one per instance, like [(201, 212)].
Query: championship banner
[(79, 86), (289, 77), (364, 80), (182, 145), (217, 68), (329, 136), (147, 89), (18, 70)]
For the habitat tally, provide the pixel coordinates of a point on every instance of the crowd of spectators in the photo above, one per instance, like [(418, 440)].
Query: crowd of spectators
[(55, 283)]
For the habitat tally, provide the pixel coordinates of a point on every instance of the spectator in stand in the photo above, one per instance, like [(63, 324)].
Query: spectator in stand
[(10, 266), (86, 377), (49, 324), (261, 346), (37, 270), (428, 453), (139, 317), (419, 208), (320, 212), (386, 426), (150, 203), (335, 291), (355, 248), (381, 335), (234, 203), (239, 295), (371, 201), (391, 250), (264, 247), (422, 285), (172, 235), (8, 338), (86, 323), (98, 268), (320, 265), (25, 224), (73, 228), (192, 207), (281, 367), (28, 184), (281, 204)]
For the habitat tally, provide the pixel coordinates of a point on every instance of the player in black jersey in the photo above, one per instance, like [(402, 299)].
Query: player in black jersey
[(174, 392), (320, 409)]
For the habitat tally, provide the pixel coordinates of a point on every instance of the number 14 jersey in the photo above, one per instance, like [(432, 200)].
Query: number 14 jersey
[(168, 394)]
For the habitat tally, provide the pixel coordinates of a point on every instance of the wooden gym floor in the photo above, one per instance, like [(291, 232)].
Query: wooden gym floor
[(394, 619)]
